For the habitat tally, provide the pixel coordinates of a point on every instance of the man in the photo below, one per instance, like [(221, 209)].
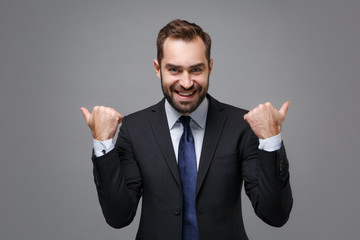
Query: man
[(189, 170)]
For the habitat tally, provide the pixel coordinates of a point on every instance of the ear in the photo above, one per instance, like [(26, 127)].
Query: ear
[(211, 65), (157, 68)]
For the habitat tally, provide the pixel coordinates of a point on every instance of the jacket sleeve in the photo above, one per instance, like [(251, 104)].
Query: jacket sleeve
[(118, 181), (266, 181)]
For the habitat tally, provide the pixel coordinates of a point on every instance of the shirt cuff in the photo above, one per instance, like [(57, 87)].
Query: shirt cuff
[(270, 144), (102, 147)]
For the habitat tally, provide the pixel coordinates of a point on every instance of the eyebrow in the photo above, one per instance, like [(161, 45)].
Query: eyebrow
[(170, 65), (198, 65)]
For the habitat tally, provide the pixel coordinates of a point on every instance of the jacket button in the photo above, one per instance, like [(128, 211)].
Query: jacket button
[(177, 211), (281, 165), (97, 182)]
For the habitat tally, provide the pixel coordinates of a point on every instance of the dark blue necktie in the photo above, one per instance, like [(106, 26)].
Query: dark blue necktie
[(188, 174)]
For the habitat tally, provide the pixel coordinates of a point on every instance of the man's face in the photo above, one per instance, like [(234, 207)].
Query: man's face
[(184, 73)]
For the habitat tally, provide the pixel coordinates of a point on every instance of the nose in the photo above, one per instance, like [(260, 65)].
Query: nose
[(186, 81)]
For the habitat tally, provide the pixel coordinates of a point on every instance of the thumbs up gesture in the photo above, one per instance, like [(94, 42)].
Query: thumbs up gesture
[(265, 120), (103, 121)]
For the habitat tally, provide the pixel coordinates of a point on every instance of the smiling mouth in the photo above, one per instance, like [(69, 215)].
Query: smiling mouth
[(186, 94)]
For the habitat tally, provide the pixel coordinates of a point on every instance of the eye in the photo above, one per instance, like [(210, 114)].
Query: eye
[(196, 70), (173, 70)]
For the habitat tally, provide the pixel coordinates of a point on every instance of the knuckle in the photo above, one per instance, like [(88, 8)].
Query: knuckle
[(108, 110), (99, 108)]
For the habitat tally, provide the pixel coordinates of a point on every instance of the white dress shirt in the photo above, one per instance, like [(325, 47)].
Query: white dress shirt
[(197, 125)]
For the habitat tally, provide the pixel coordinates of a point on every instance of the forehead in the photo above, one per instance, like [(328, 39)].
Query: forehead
[(184, 53)]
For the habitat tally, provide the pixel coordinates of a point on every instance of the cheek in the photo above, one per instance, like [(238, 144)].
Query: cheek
[(168, 80), (203, 80)]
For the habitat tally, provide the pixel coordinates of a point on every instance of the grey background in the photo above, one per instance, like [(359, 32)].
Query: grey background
[(56, 56)]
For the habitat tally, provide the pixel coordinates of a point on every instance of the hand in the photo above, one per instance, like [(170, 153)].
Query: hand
[(103, 122), (265, 120)]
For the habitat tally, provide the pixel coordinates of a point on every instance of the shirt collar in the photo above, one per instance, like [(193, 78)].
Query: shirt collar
[(199, 115)]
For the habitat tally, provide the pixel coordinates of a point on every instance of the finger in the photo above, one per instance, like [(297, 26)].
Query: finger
[(120, 118), (284, 108), (246, 118), (86, 113)]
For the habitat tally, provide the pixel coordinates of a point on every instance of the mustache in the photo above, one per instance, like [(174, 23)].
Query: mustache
[(181, 88)]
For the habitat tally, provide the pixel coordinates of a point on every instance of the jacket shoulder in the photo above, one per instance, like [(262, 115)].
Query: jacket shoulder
[(140, 116), (230, 109)]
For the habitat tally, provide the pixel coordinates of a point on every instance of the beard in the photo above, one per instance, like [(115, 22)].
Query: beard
[(184, 107)]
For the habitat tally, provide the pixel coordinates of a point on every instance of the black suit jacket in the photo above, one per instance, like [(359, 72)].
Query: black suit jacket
[(143, 164)]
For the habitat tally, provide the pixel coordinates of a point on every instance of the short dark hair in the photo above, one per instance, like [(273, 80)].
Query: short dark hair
[(182, 29)]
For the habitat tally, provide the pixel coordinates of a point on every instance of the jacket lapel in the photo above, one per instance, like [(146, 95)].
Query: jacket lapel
[(214, 127), (161, 132)]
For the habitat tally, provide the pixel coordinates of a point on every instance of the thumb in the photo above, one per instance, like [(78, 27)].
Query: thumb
[(246, 118), (284, 108), (86, 113)]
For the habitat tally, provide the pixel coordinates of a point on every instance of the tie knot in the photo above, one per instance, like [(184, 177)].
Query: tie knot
[(185, 121)]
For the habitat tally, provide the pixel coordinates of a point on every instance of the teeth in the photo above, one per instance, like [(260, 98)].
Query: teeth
[(186, 93)]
